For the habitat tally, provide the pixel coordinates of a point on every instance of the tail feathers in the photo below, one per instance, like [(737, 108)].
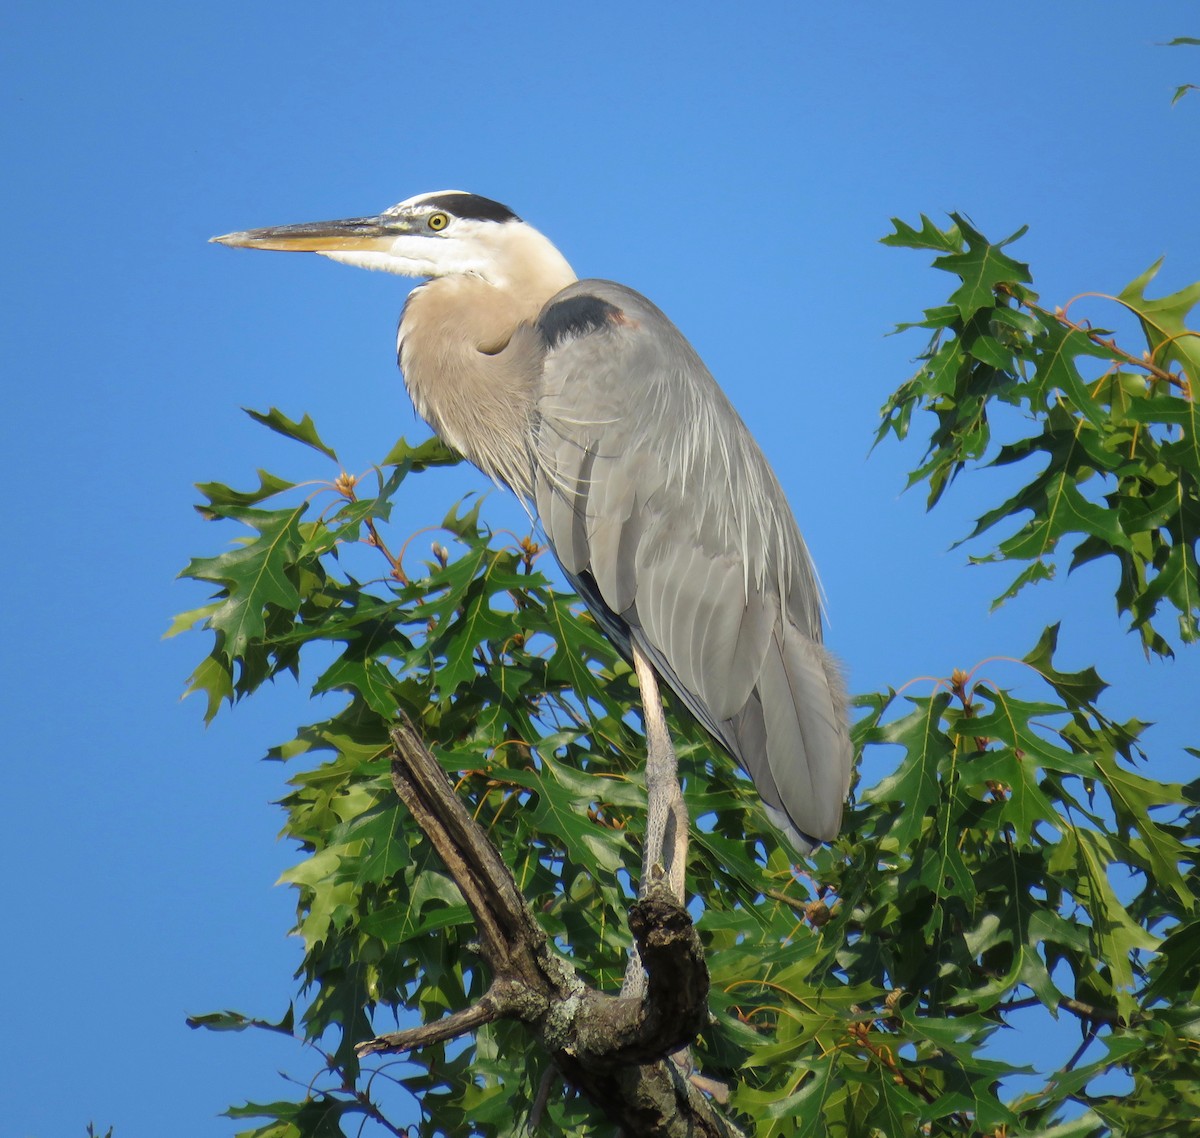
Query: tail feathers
[(792, 739)]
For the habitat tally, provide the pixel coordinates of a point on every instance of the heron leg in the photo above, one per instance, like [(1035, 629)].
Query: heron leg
[(664, 854)]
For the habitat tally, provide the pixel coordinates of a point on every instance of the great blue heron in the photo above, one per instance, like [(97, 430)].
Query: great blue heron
[(585, 400)]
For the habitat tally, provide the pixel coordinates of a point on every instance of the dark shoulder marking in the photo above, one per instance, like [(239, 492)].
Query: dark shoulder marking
[(471, 207), (575, 316)]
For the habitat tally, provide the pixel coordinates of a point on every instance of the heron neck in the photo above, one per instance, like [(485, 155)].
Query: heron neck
[(471, 359)]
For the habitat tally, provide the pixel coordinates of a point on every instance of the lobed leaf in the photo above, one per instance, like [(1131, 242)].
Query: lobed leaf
[(303, 431)]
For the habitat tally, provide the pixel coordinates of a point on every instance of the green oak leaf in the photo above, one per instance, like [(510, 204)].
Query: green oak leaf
[(255, 573), (929, 236), (303, 431), (982, 267), (1164, 322), (914, 785)]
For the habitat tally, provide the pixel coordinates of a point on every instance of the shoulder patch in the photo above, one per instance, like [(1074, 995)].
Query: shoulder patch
[(576, 316)]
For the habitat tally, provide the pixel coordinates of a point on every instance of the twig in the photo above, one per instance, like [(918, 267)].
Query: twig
[(1088, 1036), (1145, 363), (795, 903), (1089, 1013), (1093, 1013), (451, 1027), (345, 485), (543, 1097), (369, 1110)]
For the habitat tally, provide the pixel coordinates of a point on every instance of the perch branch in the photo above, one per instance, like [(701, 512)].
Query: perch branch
[(614, 1050)]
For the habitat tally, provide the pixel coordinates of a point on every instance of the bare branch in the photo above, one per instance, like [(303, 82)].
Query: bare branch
[(612, 1049), (512, 939), (543, 1097), (675, 1006), (451, 1027), (1094, 1013)]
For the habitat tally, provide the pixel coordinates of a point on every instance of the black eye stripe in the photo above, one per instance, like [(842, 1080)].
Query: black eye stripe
[(471, 207)]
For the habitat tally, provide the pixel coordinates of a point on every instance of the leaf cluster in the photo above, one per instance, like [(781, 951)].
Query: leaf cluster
[(1108, 453), (523, 699), (1016, 859)]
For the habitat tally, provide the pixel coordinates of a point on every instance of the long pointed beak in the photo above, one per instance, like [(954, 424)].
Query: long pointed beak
[(320, 236)]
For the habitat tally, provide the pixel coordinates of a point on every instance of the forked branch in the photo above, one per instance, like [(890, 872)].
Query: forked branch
[(613, 1050)]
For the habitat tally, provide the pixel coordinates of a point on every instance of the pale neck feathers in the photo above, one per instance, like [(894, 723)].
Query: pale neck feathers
[(471, 357)]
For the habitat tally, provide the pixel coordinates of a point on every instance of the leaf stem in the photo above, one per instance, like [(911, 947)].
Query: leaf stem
[(344, 484), (1097, 336)]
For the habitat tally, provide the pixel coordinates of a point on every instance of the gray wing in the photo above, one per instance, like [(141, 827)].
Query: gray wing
[(667, 518)]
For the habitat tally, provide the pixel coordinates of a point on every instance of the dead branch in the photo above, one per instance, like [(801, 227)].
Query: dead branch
[(454, 1025), (613, 1050)]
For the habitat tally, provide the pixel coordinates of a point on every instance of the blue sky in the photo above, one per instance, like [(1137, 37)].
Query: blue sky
[(735, 163)]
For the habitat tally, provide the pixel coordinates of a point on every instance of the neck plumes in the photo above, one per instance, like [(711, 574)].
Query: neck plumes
[(471, 357)]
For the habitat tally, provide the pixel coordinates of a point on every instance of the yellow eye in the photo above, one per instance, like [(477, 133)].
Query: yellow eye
[(438, 221)]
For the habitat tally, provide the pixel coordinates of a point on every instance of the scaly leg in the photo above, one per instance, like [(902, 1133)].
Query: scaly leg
[(665, 851)]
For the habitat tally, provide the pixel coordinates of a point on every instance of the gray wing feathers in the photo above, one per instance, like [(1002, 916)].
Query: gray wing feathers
[(803, 711), (647, 481)]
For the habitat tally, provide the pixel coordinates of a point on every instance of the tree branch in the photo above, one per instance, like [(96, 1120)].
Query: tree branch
[(612, 1049), (1094, 1013), (454, 1025)]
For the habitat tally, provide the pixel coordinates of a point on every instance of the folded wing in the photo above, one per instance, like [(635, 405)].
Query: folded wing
[(667, 518)]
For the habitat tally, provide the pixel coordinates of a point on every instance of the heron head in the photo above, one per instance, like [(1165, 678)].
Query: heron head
[(441, 234)]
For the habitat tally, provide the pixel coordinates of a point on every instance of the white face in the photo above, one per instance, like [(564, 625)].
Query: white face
[(430, 242), (445, 233)]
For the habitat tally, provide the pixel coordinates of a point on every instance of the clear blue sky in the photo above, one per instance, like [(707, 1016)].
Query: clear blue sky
[(734, 162)]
